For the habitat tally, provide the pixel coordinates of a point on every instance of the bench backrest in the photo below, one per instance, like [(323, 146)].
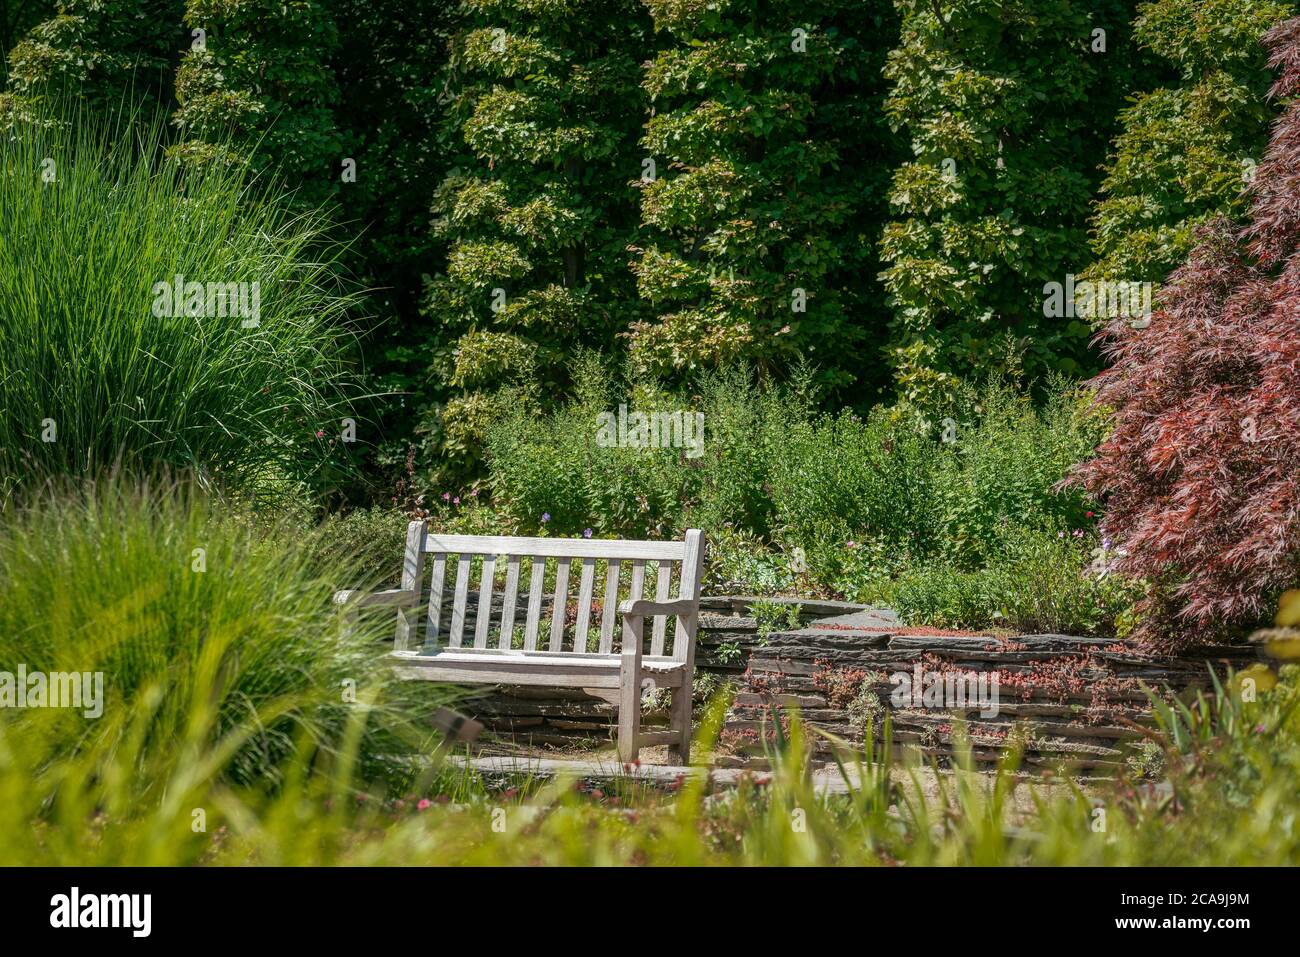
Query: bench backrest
[(596, 564)]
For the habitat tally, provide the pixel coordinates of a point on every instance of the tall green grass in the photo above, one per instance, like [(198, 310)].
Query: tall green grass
[(1232, 801), (93, 217), (204, 623)]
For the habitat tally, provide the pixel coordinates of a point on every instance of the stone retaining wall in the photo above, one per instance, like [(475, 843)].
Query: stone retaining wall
[(1076, 699)]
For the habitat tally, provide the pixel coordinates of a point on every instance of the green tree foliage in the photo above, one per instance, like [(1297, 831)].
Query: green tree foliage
[(391, 69), (1007, 106), (538, 220), (16, 18), (259, 75), (95, 51), (1188, 148), (762, 202)]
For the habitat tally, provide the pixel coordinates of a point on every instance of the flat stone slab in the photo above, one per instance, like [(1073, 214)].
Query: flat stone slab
[(819, 607), (826, 780), (863, 617)]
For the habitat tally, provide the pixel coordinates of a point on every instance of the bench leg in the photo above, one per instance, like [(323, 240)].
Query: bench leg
[(629, 693), (680, 722)]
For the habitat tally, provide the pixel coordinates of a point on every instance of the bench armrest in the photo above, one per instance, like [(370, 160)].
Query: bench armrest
[(397, 597), (643, 607)]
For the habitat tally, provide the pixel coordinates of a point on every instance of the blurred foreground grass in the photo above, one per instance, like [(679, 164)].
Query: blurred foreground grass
[(243, 724)]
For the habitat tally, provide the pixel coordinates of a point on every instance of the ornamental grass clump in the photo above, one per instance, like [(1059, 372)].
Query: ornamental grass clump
[(202, 622), (155, 316)]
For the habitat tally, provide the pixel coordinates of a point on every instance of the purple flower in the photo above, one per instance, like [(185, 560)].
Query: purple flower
[(456, 500), (1060, 534), (546, 517), (446, 496), (1105, 544), (586, 533)]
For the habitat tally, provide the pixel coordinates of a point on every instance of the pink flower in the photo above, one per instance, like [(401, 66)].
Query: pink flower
[(424, 803), (446, 496), (456, 500)]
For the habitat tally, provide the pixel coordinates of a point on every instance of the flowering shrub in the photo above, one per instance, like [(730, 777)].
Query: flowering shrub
[(1202, 470)]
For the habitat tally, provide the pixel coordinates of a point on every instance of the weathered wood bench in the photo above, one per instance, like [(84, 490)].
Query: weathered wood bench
[(574, 656)]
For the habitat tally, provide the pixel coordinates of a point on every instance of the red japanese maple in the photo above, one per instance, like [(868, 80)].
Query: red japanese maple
[(1201, 474)]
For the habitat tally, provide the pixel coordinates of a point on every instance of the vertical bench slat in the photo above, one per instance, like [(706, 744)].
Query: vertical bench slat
[(508, 602), (560, 605), (689, 587), (609, 611), (584, 604), (638, 581), (484, 617), (662, 586), (435, 603), (462, 599), (534, 603), (408, 619)]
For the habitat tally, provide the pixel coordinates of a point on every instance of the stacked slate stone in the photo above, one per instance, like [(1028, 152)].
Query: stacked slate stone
[(1074, 705), (1077, 703)]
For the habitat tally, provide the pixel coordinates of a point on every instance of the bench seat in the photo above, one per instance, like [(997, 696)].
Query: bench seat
[(559, 670), (598, 643)]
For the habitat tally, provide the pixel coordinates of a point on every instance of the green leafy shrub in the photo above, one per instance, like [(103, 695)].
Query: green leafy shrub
[(943, 516), (1189, 145), (842, 478), (89, 52), (1002, 462), (101, 368), (557, 464), (550, 472), (1037, 581), (372, 539), (906, 491)]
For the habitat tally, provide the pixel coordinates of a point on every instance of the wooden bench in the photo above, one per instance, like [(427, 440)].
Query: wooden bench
[(453, 651)]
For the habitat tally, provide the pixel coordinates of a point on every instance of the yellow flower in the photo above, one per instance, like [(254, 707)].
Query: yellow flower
[(1260, 674), (1288, 609)]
